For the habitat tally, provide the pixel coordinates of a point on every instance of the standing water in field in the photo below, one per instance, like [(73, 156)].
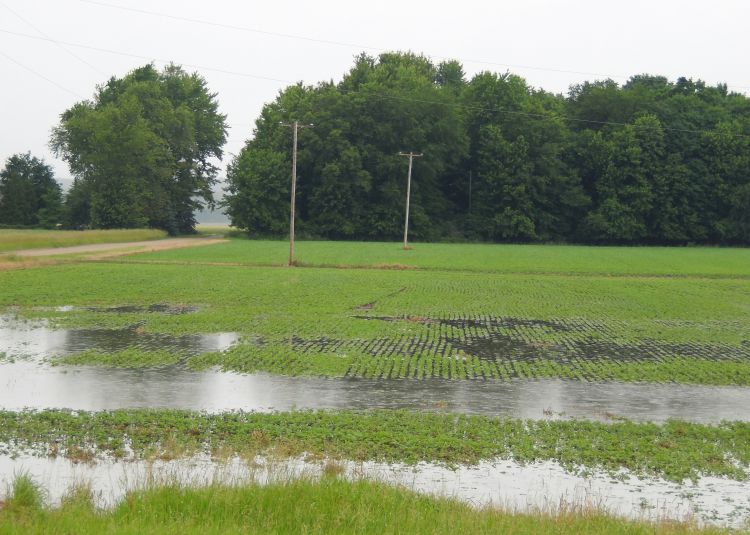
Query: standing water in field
[(28, 381), (544, 486), (35, 340)]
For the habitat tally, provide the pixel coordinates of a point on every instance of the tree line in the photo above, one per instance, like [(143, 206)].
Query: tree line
[(648, 161)]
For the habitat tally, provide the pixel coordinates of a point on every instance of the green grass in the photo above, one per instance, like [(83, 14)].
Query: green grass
[(307, 506), (14, 240), (675, 450), (558, 259)]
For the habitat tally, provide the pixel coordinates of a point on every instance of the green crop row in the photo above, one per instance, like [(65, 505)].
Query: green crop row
[(675, 450), (127, 358), (285, 359), (561, 259), (320, 303)]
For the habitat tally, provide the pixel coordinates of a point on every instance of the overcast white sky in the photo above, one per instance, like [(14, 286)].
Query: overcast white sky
[(537, 39)]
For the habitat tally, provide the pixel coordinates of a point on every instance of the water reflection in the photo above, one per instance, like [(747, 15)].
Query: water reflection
[(530, 487), (36, 340), (30, 385)]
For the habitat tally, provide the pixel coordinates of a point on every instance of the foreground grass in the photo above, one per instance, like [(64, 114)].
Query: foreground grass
[(14, 240), (496, 258), (302, 506), (674, 450)]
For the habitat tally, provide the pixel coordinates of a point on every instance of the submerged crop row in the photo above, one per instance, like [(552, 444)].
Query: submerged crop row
[(421, 363), (675, 450)]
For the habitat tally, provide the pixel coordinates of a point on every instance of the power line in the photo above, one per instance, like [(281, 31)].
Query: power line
[(40, 32), (40, 75), (348, 44), (146, 58), (381, 96), (232, 26)]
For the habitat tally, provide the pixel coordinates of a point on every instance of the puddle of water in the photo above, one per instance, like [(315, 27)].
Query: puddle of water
[(28, 385), (169, 310), (539, 486), (35, 340)]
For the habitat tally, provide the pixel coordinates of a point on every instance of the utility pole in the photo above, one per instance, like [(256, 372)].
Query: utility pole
[(411, 156), (295, 126)]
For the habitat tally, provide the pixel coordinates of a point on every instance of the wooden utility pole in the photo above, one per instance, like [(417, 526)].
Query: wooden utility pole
[(411, 156), (295, 126)]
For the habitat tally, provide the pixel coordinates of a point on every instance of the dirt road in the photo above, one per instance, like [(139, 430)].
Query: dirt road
[(113, 249)]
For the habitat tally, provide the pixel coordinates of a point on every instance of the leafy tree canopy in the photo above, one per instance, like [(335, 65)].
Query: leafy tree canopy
[(143, 150), (29, 193), (649, 161)]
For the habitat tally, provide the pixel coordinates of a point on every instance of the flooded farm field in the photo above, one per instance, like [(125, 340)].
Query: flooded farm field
[(29, 379), (627, 394)]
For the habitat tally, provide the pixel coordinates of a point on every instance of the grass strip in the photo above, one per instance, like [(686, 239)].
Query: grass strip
[(675, 450), (326, 506), (14, 240)]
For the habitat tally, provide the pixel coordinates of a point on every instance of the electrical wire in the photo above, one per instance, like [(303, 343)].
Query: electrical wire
[(348, 44), (372, 95), (40, 75), (40, 32)]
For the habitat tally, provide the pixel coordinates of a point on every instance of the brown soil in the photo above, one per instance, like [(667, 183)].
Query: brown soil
[(116, 249)]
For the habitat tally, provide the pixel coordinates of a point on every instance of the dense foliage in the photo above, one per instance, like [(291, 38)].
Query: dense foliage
[(29, 194), (651, 161), (143, 151)]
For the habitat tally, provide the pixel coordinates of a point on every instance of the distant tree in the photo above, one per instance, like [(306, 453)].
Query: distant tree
[(524, 189), (258, 191), (625, 191), (143, 150), (29, 193), (648, 161), (352, 182)]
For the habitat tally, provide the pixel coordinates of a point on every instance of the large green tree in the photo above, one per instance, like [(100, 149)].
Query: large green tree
[(648, 161), (144, 150), (29, 193), (352, 181)]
